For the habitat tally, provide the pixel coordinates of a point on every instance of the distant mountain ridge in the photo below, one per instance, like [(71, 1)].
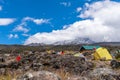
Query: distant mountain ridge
[(78, 41), (75, 41), (67, 42), (108, 43)]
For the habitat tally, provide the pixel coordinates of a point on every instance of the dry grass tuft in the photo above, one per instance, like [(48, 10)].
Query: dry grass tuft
[(62, 74), (9, 76)]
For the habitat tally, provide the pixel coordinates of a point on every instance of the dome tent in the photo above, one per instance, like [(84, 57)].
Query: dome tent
[(102, 53)]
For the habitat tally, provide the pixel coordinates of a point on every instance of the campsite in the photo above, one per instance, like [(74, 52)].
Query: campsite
[(59, 62), (59, 40)]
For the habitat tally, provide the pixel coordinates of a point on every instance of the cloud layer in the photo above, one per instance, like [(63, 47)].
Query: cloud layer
[(100, 23)]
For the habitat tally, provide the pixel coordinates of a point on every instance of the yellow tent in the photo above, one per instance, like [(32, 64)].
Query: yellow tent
[(77, 54), (102, 53)]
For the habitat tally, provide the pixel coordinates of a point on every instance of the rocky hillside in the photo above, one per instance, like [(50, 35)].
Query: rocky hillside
[(34, 64)]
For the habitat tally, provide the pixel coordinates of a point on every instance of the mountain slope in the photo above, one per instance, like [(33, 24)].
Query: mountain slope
[(68, 42)]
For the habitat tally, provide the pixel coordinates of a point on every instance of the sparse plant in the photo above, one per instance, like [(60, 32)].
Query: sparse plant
[(63, 75), (117, 56), (8, 76)]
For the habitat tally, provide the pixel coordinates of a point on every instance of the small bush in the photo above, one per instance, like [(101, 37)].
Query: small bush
[(117, 56)]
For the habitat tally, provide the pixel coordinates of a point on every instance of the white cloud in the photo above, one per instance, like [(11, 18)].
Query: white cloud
[(22, 26), (78, 9), (15, 36), (66, 4), (0, 8), (36, 21), (106, 0), (6, 21), (101, 23), (26, 35), (12, 36), (40, 21)]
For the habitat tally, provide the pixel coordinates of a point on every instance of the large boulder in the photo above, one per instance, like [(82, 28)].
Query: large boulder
[(104, 74), (39, 75)]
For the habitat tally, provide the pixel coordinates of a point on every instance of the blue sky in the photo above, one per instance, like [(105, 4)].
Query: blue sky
[(22, 19)]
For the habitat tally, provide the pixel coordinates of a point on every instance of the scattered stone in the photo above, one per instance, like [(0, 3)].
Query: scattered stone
[(3, 65), (39, 75), (115, 64), (2, 59), (104, 74), (14, 65), (78, 78), (83, 69), (36, 66), (2, 71)]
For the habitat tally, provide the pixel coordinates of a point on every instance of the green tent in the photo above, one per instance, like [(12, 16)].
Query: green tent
[(89, 47)]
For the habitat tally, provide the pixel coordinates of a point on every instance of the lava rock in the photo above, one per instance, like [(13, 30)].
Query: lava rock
[(2, 59), (115, 64), (104, 74), (3, 65), (36, 66), (14, 65)]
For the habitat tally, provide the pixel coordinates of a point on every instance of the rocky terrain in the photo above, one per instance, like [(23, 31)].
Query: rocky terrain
[(37, 64)]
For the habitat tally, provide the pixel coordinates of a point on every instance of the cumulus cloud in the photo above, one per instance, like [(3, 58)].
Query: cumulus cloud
[(36, 21), (66, 4), (12, 36), (100, 23), (22, 26), (6, 21)]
